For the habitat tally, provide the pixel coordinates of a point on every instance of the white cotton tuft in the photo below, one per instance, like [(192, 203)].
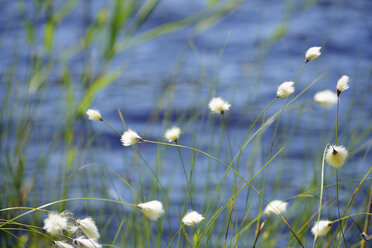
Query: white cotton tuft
[(94, 115), (326, 98), (130, 137), (321, 228), (312, 53), (55, 223), (218, 105), (61, 244), (152, 209), (342, 84), (285, 89), (276, 207), (88, 226), (192, 218), (336, 156), (172, 134), (82, 242)]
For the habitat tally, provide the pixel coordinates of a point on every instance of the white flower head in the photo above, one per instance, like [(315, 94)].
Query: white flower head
[(152, 209), (61, 244), (88, 226), (326, 98), (285, 89), (55, 223), (192, 218), (218, 105), (172, 134), (336, 156), (342, 84), (94, 115), (312, 53), (321, 228), (82, 242), (276, 207), (130, 137)]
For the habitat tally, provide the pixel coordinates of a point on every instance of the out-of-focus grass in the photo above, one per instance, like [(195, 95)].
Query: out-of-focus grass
[(116, 27)]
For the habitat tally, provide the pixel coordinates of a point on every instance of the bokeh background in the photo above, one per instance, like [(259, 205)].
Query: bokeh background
[(159, 62)]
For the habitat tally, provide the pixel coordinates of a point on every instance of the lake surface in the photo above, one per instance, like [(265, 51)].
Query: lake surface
[(176, 70)]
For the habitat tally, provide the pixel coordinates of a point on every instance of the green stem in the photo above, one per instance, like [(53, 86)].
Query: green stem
[(174, 236), (157, 179), (111, 128), (231, 169), (41, 208), (321, 189), (337, 185)]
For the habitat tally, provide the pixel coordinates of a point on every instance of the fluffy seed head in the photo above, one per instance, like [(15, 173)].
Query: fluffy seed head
[(192, 218), (218, 105), (55, 223), (326, 98), (342, 84), (88, 226), (61, 244), (312, 53), (275, 207), (82, 242), (94, 115), (285, 89), (172, 134), (130, 137), (152, 209), (336, 156), (321, 228)]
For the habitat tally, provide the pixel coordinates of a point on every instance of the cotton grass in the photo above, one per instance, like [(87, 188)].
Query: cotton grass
[(342, 84), (312, 53), (88, 226), (94, 115), (61, 244), (55, 223), (218, 105), (83, 242), (172, 134), (336, 155), (321, 228), (152, 209), (192, 218), (285, 89), (326, 98), (276, 207), (130, 138)]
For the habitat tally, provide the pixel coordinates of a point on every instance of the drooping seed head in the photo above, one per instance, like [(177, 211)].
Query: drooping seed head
[(130, 137), (94, 115), (312, 53), (152, 209)]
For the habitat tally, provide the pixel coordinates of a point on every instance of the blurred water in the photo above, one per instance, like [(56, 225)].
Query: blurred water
[(342, 28)]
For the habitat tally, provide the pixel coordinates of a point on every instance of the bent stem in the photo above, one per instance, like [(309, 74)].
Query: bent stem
[(231, 169), (41, 208), (272, 145)]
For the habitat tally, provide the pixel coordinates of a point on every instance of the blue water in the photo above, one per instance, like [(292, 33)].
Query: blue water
[(246, 77)]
